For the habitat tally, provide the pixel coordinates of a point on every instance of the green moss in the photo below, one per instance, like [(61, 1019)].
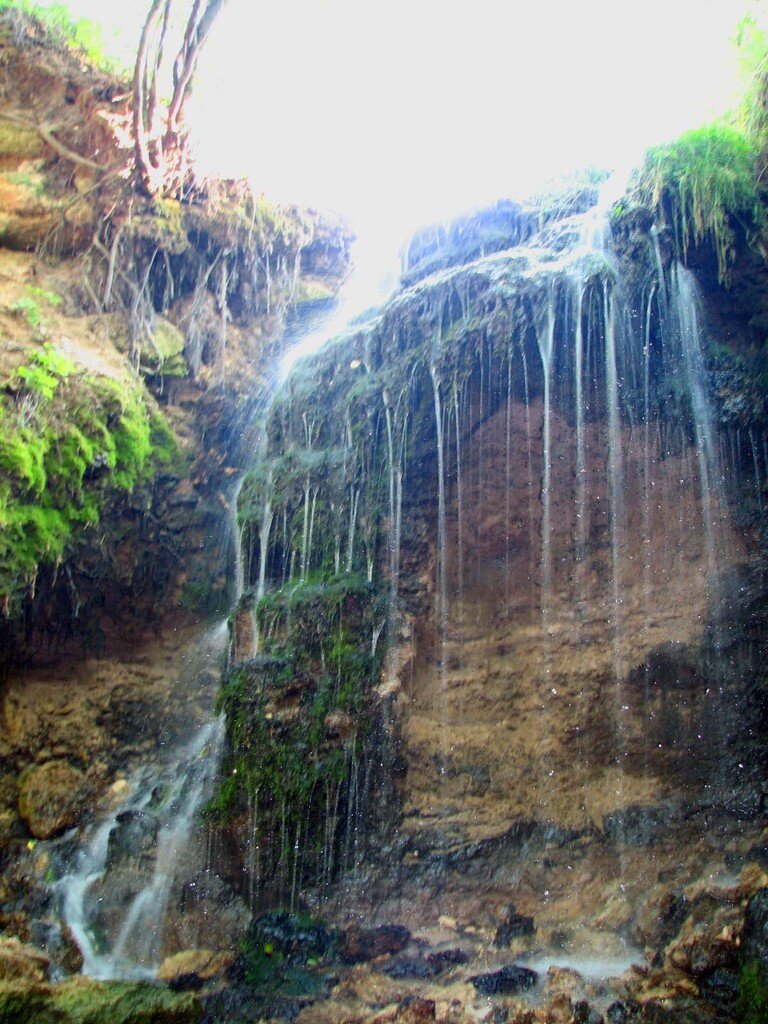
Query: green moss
[(317, 659), (30, 306), (85, 1002), (31, 179), (752, 1005), (21, 141), (705, 181), (68, 444)]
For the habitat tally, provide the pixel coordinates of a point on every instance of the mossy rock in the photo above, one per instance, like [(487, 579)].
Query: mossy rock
[(83, 1001), (20, 141), (166, 353), (169, 348), (163, 227), (50, 798)]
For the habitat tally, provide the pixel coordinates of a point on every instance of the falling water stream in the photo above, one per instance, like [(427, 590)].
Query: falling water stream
[(162, 807), (119, 926), (592, 358)]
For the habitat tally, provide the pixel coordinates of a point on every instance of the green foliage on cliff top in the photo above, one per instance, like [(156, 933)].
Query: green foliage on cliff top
[(83, 36), (68, 443), (705, 182), (712, 179)]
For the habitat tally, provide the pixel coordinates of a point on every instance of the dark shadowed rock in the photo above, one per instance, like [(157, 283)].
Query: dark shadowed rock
[(409, 967), (583, 1013), (754, 936), (513, 926), (415, 1010), (445, 958), (720, 987), (708, 954), (638, 825), (507, 980), (624, 1011), (357, 944)]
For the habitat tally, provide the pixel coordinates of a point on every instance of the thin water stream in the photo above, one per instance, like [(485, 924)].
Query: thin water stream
[(115, 891)]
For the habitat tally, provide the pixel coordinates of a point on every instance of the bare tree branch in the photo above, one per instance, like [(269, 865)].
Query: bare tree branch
[(46, 134), (159, 158)]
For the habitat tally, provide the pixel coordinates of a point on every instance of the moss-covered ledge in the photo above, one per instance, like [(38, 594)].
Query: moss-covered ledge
[(71, 441), (83, 1001)]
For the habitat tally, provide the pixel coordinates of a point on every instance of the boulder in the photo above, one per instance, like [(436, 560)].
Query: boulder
[(193, 967), (358, 945), (51, 798), (505, 981)]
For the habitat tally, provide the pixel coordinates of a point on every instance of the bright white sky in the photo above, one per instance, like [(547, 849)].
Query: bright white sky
[(400, 112)]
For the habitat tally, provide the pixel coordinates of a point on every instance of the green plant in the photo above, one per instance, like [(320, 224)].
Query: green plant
[(83, 36), (69, 443), (28, 306), (46, 369), (752, 1004), (705, 181)]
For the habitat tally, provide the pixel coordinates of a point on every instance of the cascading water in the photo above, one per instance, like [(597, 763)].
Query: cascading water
[(114, 896), (521, 447), (519, 451), (115, 891)]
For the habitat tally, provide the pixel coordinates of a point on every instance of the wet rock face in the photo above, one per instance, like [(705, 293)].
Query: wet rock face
[(506, 721), (513, 926), (754, 939)]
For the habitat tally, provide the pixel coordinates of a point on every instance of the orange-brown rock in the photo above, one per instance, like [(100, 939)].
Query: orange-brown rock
[(51, 798)]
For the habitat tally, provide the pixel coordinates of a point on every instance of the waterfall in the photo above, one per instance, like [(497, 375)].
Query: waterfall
[(545, 336), (685, 302), (112, 894), (164, 802)]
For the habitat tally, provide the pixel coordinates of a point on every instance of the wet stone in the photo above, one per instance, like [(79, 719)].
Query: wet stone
[(294, 936), (409, 967), (444, 959), (754, 937), (583, 1013), (509, 979), (624, 1011), (513, 926), (357, 945)]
